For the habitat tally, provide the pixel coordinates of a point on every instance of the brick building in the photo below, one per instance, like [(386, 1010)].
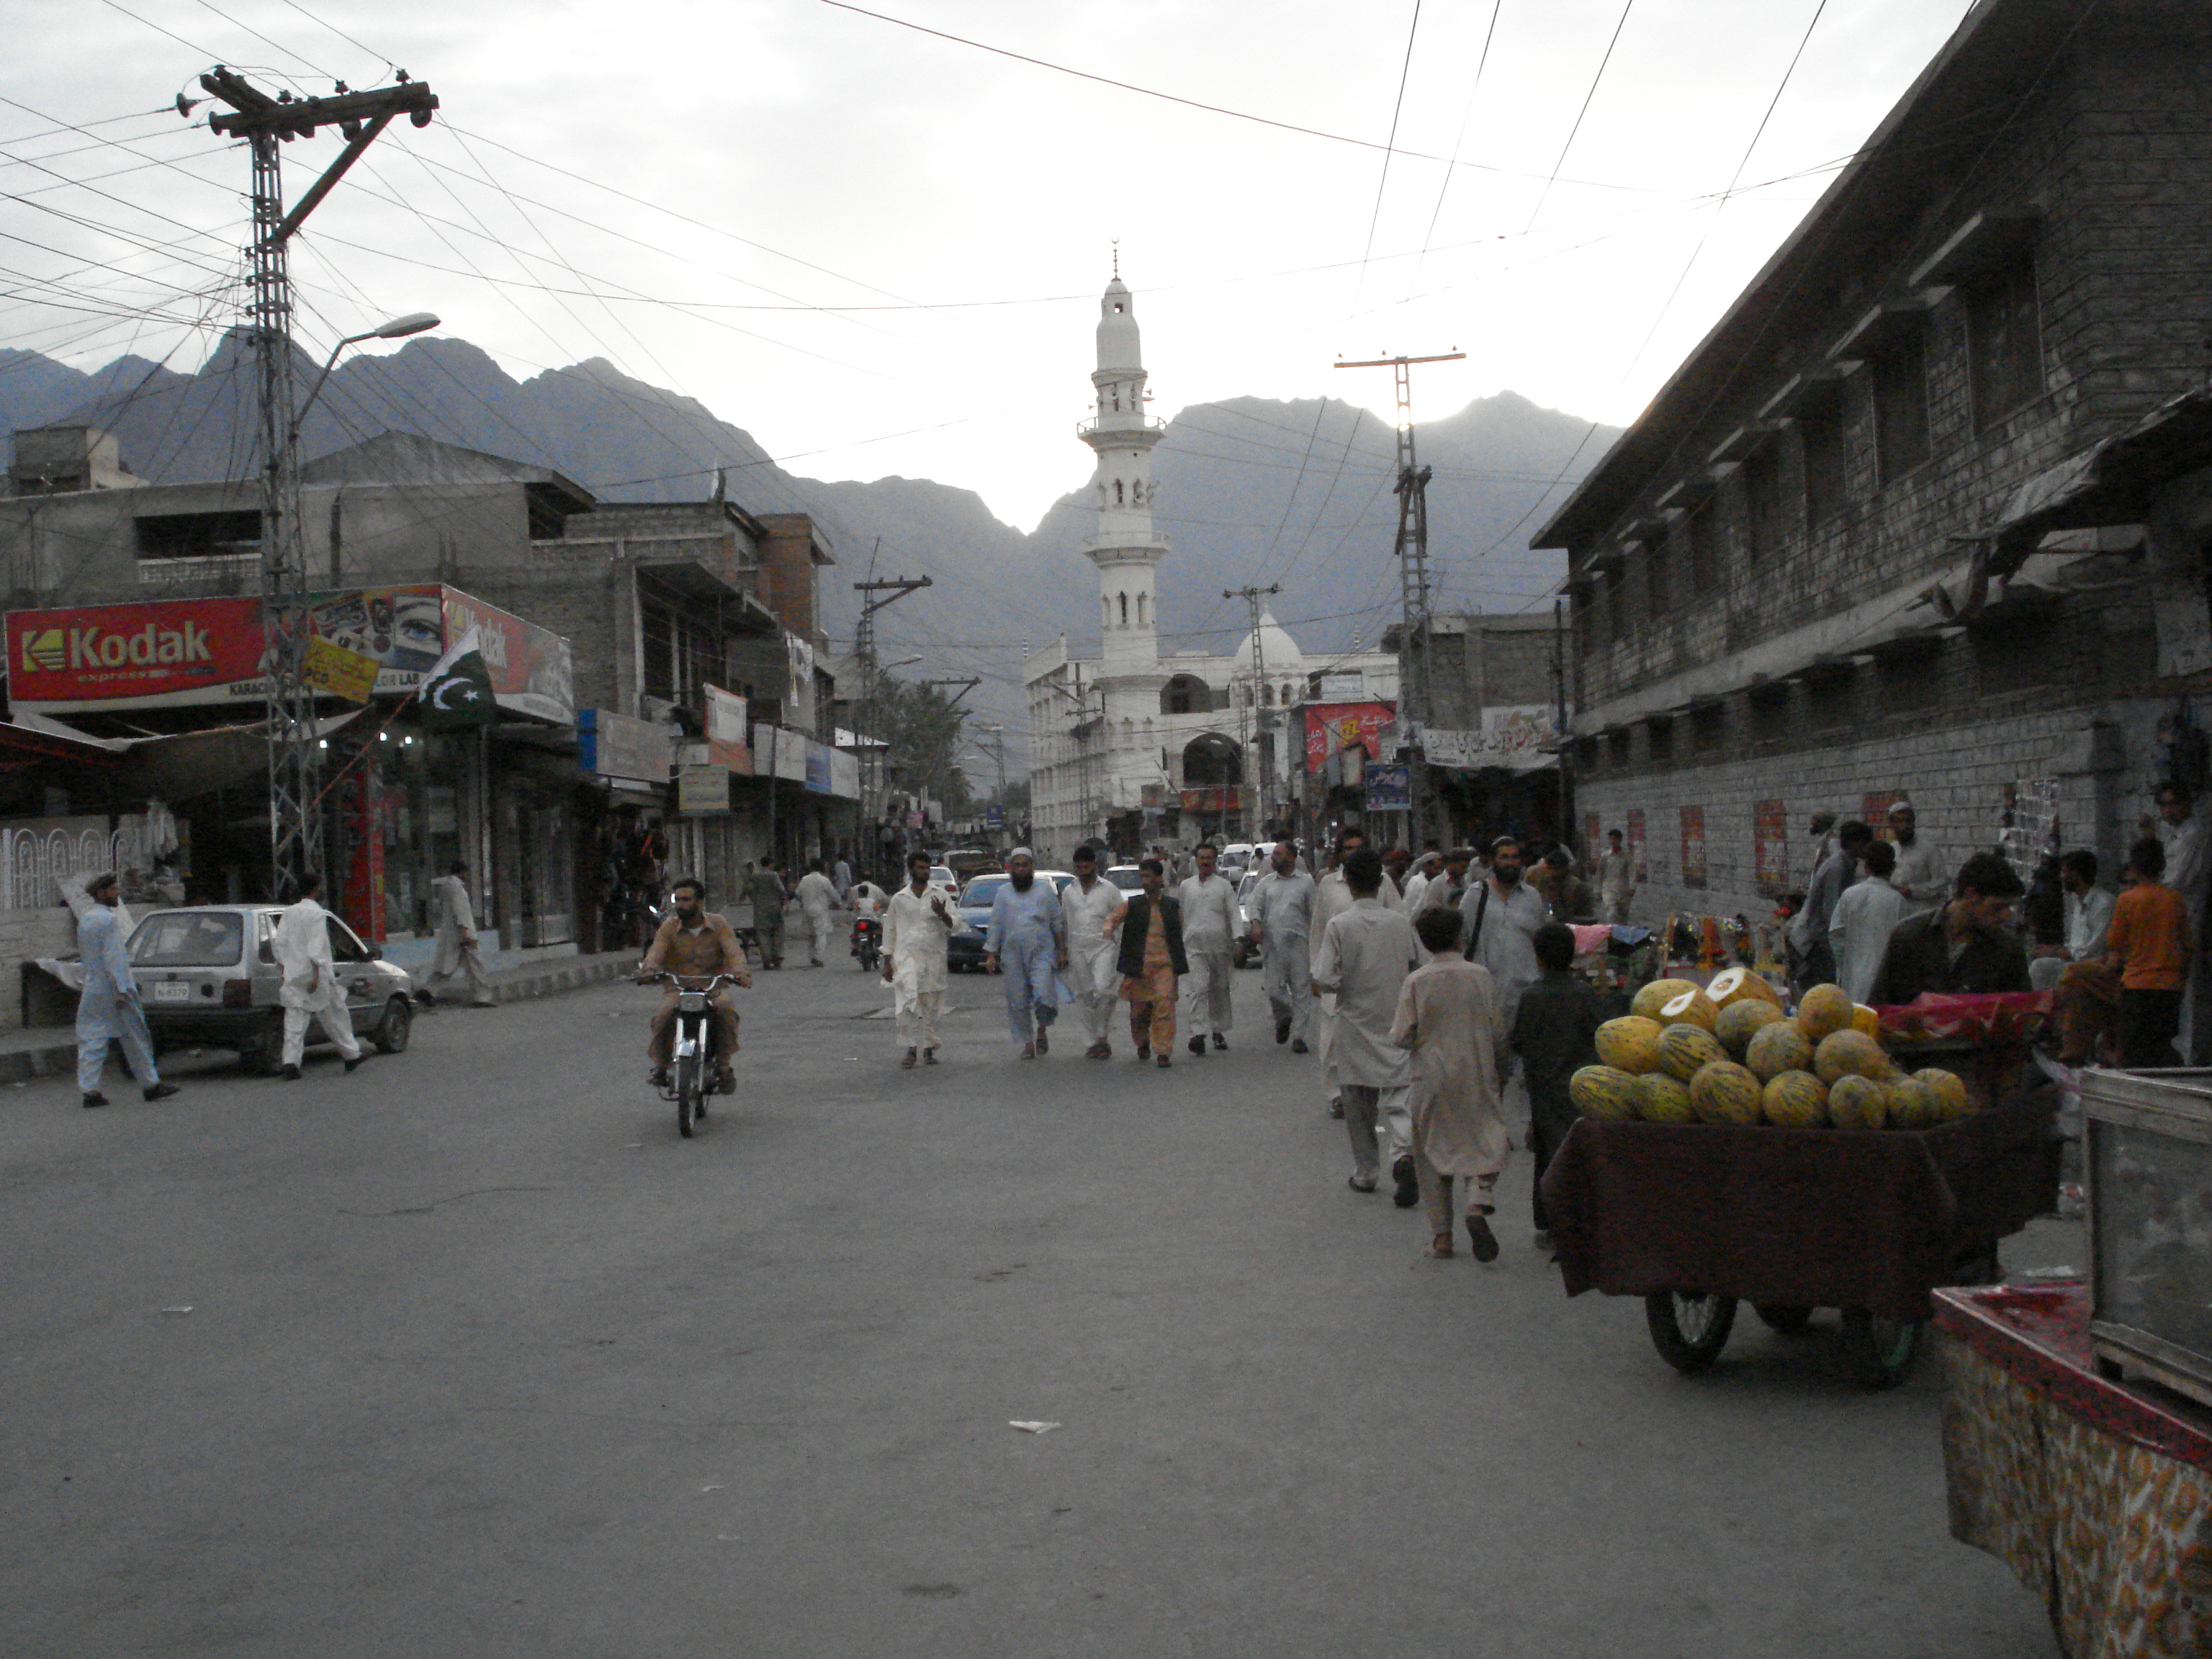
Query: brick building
[(1926, 511)]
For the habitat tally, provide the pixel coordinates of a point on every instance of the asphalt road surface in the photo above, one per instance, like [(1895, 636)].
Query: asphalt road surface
[(468, 1353)]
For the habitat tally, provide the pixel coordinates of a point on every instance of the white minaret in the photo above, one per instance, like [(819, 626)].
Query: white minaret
[(1127, 549)]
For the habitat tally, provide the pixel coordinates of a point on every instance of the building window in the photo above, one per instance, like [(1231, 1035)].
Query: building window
[(1655, 577), (1661, 741), (1900, 406), (1621, 749), (1708, 729), (1140, 609), (1705, 536), (1827, 462), (2004, 340), (1763, 504), (198, 535)]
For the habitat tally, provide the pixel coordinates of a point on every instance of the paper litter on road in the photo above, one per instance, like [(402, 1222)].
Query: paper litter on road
[(2045, 1275), (176, 1310), (1031, 1428)]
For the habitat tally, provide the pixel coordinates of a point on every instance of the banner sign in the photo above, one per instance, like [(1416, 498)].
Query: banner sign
[(1333, 729), (1511, 737), (725, 731), (790, 752), (1344, 686), (1694, 846), (818, 767), (844, 775), (702, 789), (611, 745), (178, 653), (1389, 786), (1770, 840), (329, 666), (1222, 797)]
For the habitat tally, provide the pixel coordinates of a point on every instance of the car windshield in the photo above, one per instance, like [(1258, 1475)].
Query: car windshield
[(189, 938), (1245, 886), (938, 873), (981, 891)]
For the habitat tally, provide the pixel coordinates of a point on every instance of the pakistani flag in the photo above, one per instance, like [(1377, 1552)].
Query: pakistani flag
[(457, 691)]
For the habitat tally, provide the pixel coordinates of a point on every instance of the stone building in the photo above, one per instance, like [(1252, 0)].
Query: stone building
[(1926, 511)]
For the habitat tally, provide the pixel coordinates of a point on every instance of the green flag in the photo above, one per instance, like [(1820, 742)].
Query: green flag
[(457, 693)]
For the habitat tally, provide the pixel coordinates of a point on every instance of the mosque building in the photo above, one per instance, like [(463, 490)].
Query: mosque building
[(1138, 746)]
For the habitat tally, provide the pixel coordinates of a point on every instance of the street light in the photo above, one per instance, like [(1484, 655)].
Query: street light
[(397, 329)]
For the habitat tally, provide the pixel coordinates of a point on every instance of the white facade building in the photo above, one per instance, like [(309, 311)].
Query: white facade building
[(1140, 746)]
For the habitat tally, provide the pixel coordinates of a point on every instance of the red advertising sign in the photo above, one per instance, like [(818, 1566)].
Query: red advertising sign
[(1635, 844), (1770, 839), (1334, 728), (1694, 846), (1593, 838), (134, 656), (1873, 810)]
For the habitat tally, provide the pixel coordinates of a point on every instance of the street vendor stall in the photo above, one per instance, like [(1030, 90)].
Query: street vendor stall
[(1730, 1151)]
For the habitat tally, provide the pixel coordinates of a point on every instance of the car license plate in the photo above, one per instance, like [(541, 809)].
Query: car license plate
[(172, 990)]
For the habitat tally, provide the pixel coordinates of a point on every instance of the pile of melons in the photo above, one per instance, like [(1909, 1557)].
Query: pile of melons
[(1727, 1054)]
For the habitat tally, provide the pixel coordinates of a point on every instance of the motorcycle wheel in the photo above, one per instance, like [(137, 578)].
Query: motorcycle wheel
[(687, 1094)]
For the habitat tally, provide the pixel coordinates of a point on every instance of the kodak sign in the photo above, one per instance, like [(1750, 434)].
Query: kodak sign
[(123, 656)]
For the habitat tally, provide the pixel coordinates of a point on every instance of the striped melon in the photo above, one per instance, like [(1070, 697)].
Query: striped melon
[(1724, 1092), (1603, 1091), (1691, 1008), (1740, 1020), (1630, 1044), (1656, 996), (1851, 1052), (1912, 1103), (1663, 1099), (1739, 984), (1952, 1099), (1776, 1048), (1795, 1100), (1683, 1049), (1825, 1008), (1858, 1103)]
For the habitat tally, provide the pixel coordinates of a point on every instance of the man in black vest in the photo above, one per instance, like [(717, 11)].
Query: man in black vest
[(1152, 958)]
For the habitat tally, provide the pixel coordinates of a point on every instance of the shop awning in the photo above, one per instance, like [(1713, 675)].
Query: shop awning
[(2111, 483)]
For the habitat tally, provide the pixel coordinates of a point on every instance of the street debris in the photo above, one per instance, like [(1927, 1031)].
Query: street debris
[(176, 1310), (1031, 1428)]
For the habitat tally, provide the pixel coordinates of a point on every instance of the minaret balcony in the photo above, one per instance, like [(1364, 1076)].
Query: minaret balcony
[(1116, 538), (1140, 430)]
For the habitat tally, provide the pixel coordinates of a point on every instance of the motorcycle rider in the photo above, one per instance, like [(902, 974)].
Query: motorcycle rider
[(695, 943), (869, 902)]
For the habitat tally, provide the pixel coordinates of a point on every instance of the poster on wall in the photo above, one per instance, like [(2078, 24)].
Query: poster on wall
[(725, 731), (1593, 840), (1636, 845), (1694, 846), (1873, 810), (1389, 787), (1770, 840)]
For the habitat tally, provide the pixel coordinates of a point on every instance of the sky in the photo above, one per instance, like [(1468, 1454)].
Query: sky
[(879, 250)]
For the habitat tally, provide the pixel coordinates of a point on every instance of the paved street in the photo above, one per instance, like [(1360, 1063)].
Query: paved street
[(482, 1360)]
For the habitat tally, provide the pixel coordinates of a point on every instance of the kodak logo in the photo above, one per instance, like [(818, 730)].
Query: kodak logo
[(54, 648)]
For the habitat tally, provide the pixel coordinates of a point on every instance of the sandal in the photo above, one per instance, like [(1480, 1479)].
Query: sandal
[(1439, 1247)]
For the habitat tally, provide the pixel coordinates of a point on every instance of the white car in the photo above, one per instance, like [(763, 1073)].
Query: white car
[(1126, 876), (942, 878)]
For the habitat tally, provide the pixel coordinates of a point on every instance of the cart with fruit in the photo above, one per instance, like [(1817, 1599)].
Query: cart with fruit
[(1731, 1153)]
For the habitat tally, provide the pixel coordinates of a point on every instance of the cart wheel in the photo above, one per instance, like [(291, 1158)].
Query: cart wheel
[(1879, 1352), (1783, 1317), (1689, 1331)]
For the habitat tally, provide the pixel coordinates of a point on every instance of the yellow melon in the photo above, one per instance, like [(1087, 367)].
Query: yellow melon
[(1663, 1099), (1740, 1021), (1824, 1009), (1794, 1100), (1858, 1103), (1912, 1103), (1683, 1049), (1603, 1091), (1952, 1099), (1656, 996), (1866, 1021), (1691, 1008), (1630, 1044), (1779, 1048), (1738, 984), (1724, 1092), (1853, 1053)]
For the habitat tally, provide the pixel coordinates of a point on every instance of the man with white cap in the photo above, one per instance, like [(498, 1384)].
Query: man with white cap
[(1027, 941)]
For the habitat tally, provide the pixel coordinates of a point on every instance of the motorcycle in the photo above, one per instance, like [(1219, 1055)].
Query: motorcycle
[(868, 942), (691, 1062)]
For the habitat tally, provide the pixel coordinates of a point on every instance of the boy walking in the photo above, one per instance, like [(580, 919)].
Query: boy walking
[(1449, 1016), (2148, 942), (1554, 1034)]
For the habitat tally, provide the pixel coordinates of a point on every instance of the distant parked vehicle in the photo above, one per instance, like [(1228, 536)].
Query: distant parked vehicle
[(1245, 951), (1126, 876), (207, 978)]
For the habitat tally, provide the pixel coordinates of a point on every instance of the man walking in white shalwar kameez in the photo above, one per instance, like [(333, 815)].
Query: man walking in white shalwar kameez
[(1091, 910), (457, 940), (1331, 898), (917, 922), (311, 983), (1363, 956), (1449, 1015)]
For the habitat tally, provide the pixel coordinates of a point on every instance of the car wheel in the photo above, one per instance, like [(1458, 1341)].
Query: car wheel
[(392, 1031), (263, 1055)]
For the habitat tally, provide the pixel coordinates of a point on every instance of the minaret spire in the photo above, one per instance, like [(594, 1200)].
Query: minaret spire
[(1126, 549)]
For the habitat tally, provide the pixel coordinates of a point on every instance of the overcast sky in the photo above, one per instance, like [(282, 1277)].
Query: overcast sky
[(899, 239)]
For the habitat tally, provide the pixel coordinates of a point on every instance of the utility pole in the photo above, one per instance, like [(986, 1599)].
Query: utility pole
[(1252, 596), (966, 686), (893, 589), (1413, 552), (295, 837)]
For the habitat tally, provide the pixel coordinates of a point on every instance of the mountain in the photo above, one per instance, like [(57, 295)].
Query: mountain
[(1252, 492)]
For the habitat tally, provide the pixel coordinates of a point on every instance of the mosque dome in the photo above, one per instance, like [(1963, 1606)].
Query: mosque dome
[(1281, 651)]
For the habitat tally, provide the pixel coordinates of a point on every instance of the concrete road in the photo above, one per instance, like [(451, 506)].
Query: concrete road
[(482, 1360)]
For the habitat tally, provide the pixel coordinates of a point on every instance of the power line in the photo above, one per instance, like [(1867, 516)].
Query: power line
[(1382, 181), (1544, 195), (1467, 116)]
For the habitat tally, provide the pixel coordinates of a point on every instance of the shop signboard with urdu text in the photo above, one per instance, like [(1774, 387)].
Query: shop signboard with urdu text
[(1333, 729), (1389, 786), (612, 746), (702, 790)]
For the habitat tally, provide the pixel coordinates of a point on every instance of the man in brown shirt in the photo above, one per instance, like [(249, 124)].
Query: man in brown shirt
[(695, 943)]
